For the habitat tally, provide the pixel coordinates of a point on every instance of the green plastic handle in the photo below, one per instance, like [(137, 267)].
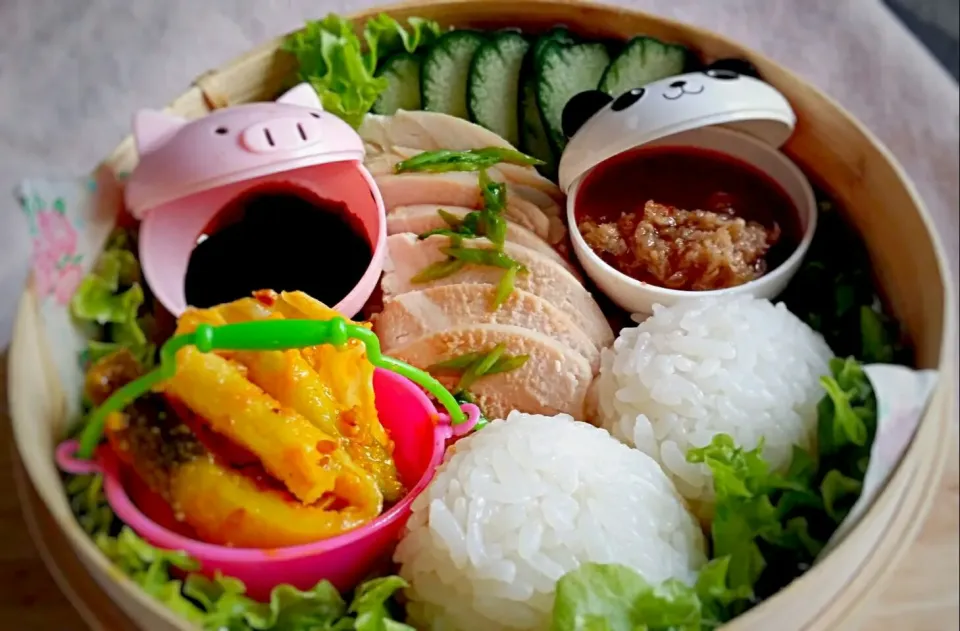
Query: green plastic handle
[(260, 335)]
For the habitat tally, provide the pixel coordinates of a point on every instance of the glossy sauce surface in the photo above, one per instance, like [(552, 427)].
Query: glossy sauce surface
[(671, 216), (279, 240)]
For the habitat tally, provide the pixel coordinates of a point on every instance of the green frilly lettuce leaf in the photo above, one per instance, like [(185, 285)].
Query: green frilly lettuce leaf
[(598, 597), (111, 296), (773, 525), (768, 526), (342, 66), (220, 603)]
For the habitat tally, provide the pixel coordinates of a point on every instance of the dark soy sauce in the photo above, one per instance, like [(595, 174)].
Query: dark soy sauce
[(280, 241)]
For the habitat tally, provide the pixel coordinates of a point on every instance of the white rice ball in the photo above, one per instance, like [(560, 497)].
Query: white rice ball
[(740, 366), (523, 501)]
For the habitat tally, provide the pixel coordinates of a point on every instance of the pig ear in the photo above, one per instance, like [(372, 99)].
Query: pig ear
[(303, 95), (152, 128)]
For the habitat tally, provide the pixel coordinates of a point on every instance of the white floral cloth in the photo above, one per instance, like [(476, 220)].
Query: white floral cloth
[(68, 222)]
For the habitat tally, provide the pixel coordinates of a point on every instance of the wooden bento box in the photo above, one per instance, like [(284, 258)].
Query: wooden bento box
[(829, 144)]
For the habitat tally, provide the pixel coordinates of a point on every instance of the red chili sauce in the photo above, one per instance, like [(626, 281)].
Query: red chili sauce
[(686, 218)]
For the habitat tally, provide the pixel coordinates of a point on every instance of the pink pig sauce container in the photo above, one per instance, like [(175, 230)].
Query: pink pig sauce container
[(190, 172)]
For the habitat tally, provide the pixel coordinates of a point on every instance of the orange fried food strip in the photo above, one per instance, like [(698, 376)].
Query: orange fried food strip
[(226, 507), (284, 375), (350, 375), (223, 505), (110, 373), (330, 386), (291, 448)]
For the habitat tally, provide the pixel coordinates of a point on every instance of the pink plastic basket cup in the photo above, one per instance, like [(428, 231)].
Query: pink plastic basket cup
[(420, 436)]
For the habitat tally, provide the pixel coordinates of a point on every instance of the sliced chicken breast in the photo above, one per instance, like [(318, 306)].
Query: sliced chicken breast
[(535, 196), (417, 313), (379, 162), (407, 256), (383, 163), (462, 189), (408, 133), (425, 217), (553, 380), (427, 131)]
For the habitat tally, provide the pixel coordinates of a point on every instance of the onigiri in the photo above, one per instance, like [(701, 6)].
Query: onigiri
[(525, 500), (741, 366)]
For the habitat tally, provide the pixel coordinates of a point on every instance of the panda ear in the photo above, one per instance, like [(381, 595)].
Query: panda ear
[(735, 66), (581, 108)]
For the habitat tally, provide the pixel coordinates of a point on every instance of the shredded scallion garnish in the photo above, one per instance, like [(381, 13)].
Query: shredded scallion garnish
[(488, 222), (473, 366), (445, 160)]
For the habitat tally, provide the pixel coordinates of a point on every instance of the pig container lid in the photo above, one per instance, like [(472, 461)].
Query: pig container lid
[(603, 126), (179, 158)]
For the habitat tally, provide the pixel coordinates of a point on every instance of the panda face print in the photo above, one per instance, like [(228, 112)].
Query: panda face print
[(627, 99), (712, 82), (690, 86), (682, 87), (600, 126)]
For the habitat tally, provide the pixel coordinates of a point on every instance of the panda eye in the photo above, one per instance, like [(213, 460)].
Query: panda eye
[(627, 99), (723, 75)]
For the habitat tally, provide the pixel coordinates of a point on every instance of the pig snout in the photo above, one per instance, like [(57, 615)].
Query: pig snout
[(282, 134)]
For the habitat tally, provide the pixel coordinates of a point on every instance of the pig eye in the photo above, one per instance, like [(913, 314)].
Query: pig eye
[(222, 130), (314, 114)]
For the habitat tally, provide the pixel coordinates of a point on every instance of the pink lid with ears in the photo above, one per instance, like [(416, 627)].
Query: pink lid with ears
[(179, 158), (190, 170)]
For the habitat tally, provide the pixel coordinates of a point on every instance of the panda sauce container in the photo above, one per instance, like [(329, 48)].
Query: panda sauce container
[(719, 111)]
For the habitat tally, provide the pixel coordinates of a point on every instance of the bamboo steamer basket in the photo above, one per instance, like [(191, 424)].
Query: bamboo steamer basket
[(829, 144)]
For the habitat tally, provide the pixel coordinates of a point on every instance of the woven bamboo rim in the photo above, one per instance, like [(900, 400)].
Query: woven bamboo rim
[(829, 143)]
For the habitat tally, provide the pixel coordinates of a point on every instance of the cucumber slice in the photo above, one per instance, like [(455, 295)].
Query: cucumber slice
[(643, 60), (402, 72), (563, 71), (446, 67), (533, 134), (494, 84), (558, 34)]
